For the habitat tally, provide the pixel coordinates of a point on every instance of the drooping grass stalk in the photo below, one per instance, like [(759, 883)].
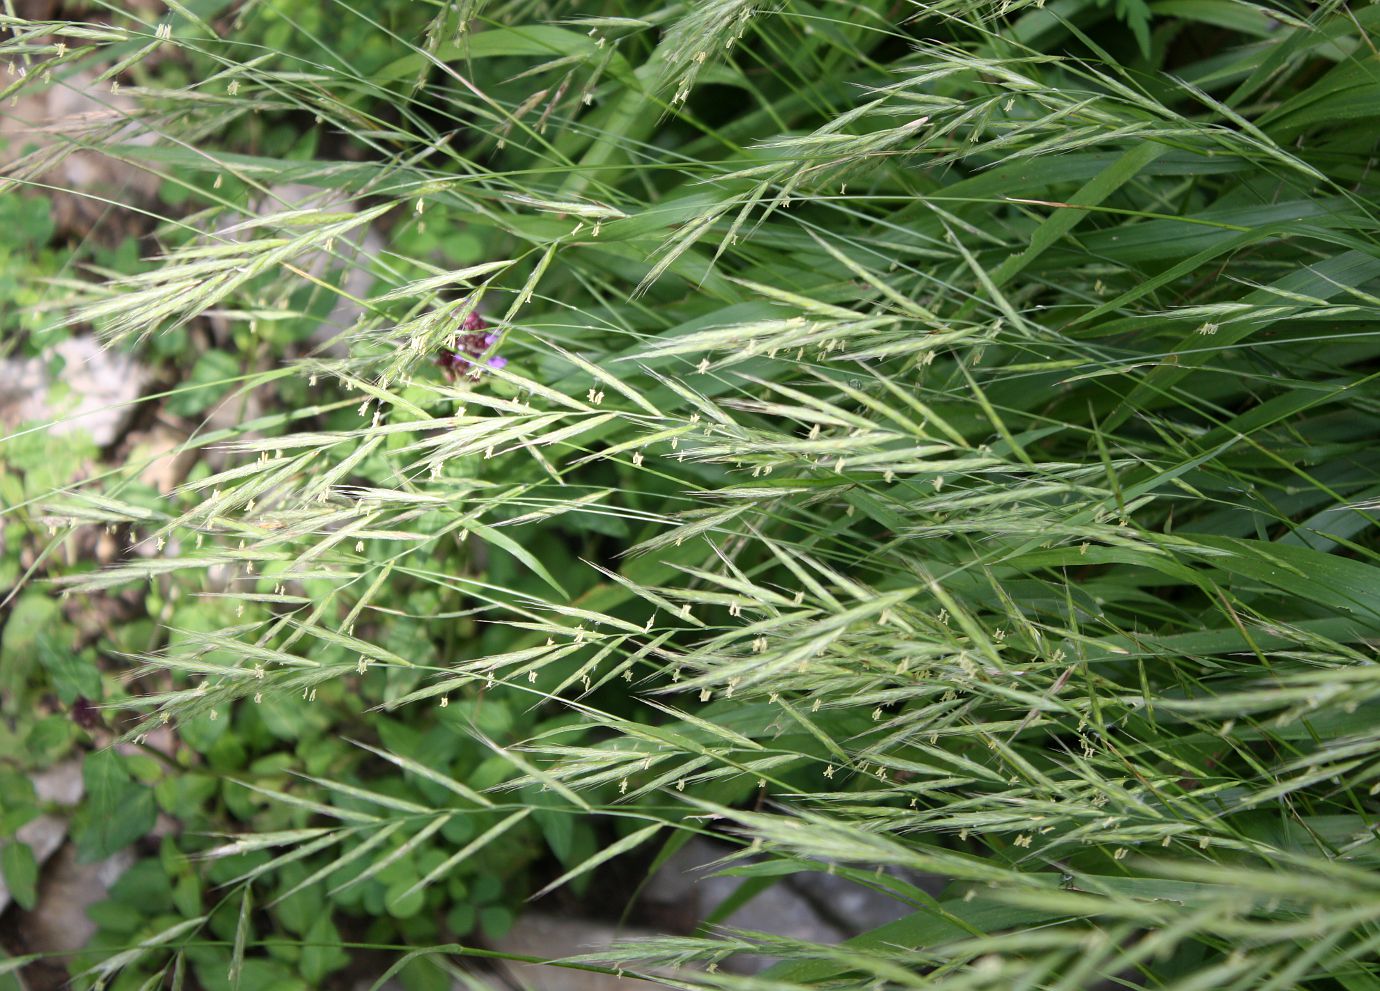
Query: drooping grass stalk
[(977, 413)]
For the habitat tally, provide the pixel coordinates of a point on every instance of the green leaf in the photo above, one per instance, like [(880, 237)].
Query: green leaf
[(322, 953), (404, 899), (461, 919), (541, 40), (210, 378), (1342, 583), (144, 888), (187, 895), (32, 616), (74, 673), (20, 869), (184, 795), (558, 828), (115, 812), (17, 795), (421, 974), (496, 920), (502, 540), (50, 738)]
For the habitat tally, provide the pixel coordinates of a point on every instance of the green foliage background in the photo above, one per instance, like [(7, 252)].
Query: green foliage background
[(935, 439)]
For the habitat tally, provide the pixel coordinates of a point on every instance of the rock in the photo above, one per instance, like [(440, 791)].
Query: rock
[(355, 253), (60, 785), (76, 104), (101, 388), (541, 935), (66, 889), (686, 881), (850, 907), (815, 906), (43, 835), (58, 924)]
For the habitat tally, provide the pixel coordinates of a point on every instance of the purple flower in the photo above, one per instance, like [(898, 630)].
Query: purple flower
[(84, 713), (449, 359), (468, 350)]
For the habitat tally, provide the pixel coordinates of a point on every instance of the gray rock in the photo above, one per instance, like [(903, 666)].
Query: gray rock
[(550, 936), (59, 924), (59, 785), (101, 388), (347, 264), (851, 907), (817, 907), (687, 882), (82, 107)]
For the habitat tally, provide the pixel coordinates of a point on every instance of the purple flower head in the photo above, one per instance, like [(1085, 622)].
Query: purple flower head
[(466, 354), (84, 713)]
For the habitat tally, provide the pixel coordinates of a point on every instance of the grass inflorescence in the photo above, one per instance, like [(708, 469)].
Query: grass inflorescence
[(919, 440)]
